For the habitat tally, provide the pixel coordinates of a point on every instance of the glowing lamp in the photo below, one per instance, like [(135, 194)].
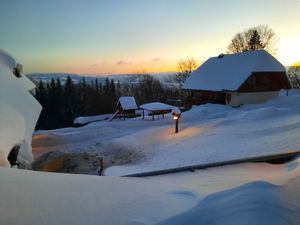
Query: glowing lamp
[(176, 117)]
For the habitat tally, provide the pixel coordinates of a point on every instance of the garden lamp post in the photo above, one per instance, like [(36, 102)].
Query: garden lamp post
[(176, 117)]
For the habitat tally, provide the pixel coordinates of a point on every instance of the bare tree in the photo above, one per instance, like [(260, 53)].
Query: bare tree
[(255, 38), (294, 75), (185, 68)]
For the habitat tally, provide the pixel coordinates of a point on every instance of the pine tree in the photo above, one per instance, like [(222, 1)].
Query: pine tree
[(112, 88), (96, 85), (69, 101), (100, 91), (118, 90), (106, 87), (255, 41), (41, 93)]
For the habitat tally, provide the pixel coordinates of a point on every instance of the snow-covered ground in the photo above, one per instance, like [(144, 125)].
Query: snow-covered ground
[(252, 193), (208, 133)]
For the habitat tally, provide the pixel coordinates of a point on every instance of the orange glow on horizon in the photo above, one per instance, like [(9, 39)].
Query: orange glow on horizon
[(107, 68), (149, 61), (296, 64)]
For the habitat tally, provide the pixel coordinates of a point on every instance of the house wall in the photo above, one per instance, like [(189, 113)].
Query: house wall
[(238, 99), (265, 81), (202, 97)]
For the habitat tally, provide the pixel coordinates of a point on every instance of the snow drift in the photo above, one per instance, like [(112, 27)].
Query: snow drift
[(253, 203)]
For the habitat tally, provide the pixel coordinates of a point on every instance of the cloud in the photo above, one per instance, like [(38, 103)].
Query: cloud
[(94, 65), (156, 59), (121, 62), (98, 64)]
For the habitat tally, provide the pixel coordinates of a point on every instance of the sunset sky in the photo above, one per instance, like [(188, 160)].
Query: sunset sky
[(126, 36)]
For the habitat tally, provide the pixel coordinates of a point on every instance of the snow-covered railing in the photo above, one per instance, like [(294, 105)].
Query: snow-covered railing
[(157, 108), (274, 158)]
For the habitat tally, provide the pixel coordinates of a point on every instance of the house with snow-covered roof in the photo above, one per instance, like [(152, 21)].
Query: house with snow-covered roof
[(237, 79)]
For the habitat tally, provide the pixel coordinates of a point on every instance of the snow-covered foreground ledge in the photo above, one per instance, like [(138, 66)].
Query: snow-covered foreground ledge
[(242, 194)]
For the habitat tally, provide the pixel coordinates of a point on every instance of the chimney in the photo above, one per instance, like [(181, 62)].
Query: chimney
[(221, 56)]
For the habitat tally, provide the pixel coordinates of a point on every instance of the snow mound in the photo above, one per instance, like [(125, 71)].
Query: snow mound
[(254, 203)]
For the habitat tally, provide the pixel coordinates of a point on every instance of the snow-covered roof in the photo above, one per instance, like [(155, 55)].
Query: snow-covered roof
[(156, 106), (8, 60), (230, 71), (11, 63), (127, 103), (19, 111)]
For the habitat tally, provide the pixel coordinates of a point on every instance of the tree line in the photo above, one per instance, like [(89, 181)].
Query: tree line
[(62, 103)]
